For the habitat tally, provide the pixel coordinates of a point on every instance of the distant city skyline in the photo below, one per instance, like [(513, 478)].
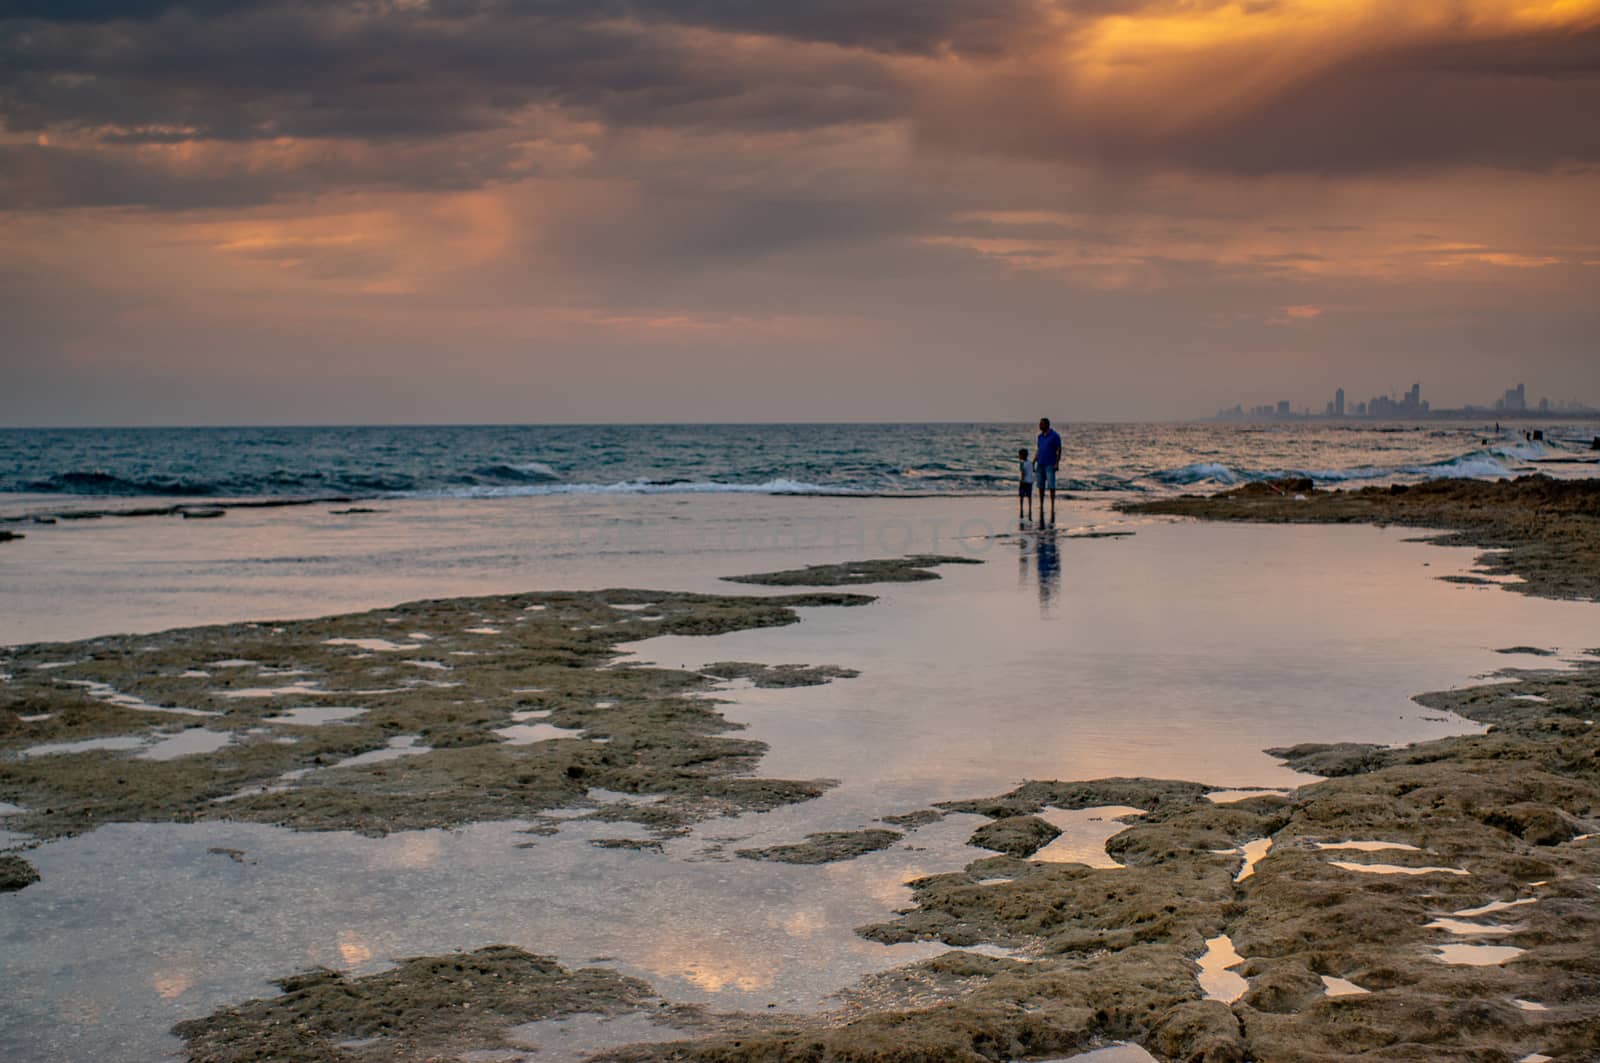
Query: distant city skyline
[(1410, 404)]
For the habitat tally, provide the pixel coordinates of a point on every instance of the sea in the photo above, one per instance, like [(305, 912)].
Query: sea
[(501, 461)]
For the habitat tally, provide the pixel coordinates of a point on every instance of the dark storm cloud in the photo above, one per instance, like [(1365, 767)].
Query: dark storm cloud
[(915, 27), (969, 76), (298, 71), (115, 10)]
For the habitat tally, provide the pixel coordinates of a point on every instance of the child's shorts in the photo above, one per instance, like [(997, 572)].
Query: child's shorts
[(1024, 489)]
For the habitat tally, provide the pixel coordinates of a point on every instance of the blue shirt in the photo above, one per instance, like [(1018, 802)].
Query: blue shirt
[(1049, 452)]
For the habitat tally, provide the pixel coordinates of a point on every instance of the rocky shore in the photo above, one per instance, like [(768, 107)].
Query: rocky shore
[(1432, 902), (442, 711)]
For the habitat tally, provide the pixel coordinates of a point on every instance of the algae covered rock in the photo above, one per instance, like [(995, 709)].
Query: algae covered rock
[(429, 1007), (1535, 824), (826, 847), (850, 573), (778, 675), (1019, 836), (15, 873)]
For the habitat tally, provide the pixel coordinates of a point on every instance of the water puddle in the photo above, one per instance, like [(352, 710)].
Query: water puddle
[(482, 630), (373, 645), (117, 743), (314, 715), (1395, 869), (399, 746), (1476, 955), (1529, 1005), (1339, 987), (1495, 906), (186, 744), (1252, 852), (1217, 979), (523, 734), (438, 666), (1228, 797), (303, 689), (1084, 833), (1462, 928), (1367, 847), (233, 662), (104, 693)]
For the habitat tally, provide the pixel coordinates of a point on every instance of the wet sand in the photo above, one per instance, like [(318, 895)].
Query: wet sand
[(1050, 957)]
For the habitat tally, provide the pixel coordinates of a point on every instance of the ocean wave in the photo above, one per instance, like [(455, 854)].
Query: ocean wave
[(531, 472), (1488, 463), (1478, 465), (1199, 472), (99, 482)]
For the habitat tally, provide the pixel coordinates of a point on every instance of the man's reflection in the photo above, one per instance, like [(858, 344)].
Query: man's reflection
[(1048, 565)]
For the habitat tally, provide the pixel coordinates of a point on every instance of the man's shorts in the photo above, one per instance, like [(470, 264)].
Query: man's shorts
[(1046, 477)]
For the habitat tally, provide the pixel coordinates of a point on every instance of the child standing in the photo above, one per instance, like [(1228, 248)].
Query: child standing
[(1024, 485)]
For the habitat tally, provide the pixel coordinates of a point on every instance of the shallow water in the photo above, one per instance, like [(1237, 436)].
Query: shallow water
[(1217, 978), (188, 743), (1340, 987), (1396, 869), (1477, 955), (315, 715), (104, 963), (1084, 833), (1181, 652), (1366, 846)]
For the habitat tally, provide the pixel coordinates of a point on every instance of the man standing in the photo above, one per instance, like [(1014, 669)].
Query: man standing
[(1046, 457)]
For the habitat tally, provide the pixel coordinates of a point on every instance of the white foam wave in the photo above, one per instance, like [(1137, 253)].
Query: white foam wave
[(1475, 466), (1493, 463), (1521, 451), (1203, 470)]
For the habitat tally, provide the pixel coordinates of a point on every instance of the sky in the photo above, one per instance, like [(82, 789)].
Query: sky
[(455, 211)]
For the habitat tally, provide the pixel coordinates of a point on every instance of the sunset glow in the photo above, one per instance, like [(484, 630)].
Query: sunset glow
[(539, 212)]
